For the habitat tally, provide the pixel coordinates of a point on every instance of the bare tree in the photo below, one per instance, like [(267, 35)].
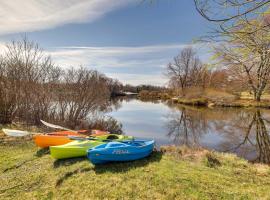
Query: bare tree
[(227, 13), (8, 104), (83, 92), (213, 10), (185, 70), (216, 78), (248, 56), (33, 88), (28, 74), (115, 86)]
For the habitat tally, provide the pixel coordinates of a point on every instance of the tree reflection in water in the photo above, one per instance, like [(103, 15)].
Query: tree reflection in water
[(262, 137), (249, 136), (186, 127), (244, 132)]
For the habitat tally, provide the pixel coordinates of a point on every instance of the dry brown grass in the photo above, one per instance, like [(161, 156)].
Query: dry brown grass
[(249, 96), (184, 152), (219, 95), (209, 93), (213, 97)]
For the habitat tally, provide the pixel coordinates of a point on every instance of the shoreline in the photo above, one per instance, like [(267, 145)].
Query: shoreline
[(173, 173), (204, 102), (171, 149), (233, 104), (207, 98)]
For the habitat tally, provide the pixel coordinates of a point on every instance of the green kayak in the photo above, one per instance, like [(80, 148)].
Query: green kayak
[(78, 148)]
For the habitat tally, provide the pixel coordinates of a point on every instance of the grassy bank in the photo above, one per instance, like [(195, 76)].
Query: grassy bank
[(154, 95), (238, 103), (29, 173), (208, 97), (191, 102)]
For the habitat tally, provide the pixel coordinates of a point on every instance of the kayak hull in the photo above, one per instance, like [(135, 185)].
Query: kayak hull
[(60, 138), (65, 133), (44, 141), (78, 148), (120, 152), (54, 138), (102, 159), (72, 149)]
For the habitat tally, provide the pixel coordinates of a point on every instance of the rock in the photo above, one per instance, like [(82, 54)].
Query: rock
[(211, 104)]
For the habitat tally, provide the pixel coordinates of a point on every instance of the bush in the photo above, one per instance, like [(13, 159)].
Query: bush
[(105, 123), (153, 95), (212, 160)]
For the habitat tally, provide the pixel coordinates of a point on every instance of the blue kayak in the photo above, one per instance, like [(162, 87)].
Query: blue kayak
[(120, 151)]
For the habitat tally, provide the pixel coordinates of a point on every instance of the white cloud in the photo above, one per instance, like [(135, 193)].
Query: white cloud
[(133, 65), (31, 15), (156, 55), (138, 79), (135, 49)]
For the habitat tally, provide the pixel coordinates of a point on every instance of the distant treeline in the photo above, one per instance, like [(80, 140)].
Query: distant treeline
[(187, 72), (139, 88), (119, 89)]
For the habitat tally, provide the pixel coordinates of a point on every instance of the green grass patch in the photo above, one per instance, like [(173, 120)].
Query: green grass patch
[(27, 172)]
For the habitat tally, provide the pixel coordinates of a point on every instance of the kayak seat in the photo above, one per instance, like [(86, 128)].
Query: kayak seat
[(115, 144), (112, 137), (138, 144)]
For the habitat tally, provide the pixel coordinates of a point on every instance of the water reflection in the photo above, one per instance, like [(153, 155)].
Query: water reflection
[(186, 127), (244, 132), (241, 131), (258, 125)]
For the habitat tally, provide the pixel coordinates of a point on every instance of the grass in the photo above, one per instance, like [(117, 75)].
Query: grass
[(153, 95), (215, 98), (192, 102), (210, 97), (27, 172), (247, 95)]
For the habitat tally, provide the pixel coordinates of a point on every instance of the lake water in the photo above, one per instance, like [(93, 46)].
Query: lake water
[(241, 131)]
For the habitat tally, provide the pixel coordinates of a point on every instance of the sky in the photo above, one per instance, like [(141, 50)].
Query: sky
[(130, 40)]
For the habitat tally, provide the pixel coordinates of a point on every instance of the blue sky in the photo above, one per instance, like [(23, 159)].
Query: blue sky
[(129, 40)]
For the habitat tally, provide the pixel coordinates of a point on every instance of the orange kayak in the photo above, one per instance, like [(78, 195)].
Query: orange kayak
[(99, 132), (65, 133), (61, 137)]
